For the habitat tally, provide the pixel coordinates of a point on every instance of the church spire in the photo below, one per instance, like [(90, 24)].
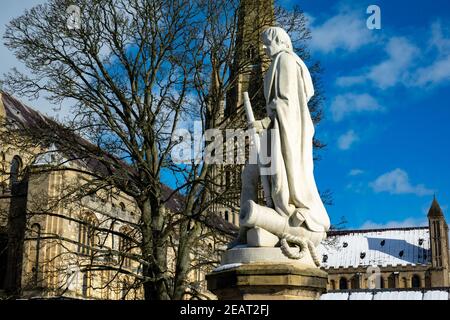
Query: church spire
[(249, 59), (435, 209)]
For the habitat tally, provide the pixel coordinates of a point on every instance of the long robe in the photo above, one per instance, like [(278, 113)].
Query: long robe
[(288, 88)]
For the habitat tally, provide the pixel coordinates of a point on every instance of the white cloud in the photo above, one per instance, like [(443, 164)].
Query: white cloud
[(401, 54), (434, 74), (355, 172), (346, 140), (409, 222), (439, 71), (348, 103), (397, 182), (408, 65), (346, 31), (439, 39)]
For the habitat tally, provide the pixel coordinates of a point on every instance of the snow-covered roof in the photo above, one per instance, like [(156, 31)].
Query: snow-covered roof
[(382, 247), (438, 294)]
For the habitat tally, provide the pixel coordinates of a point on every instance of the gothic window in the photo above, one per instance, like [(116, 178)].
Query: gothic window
[(16, 166), (86, 284), (36, 246), (356, 282), (226, 217), (113, 244), (343, 284), (415, 281), (391, 281), (333, 285), (227, 178), (125, 289), (86, 234), (437, 244), (3, 185), (125, 245), (251, 53), (405, 283)]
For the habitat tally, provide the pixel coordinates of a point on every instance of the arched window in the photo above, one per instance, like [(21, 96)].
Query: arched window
[(36, 235), (226, 216), (415, 281), (87, 233), (405, 283), (356, 282), (343, 284), (227, 178), (125, 245), (332, 285), (3, 185), (125, 289), (391, 281), (86, 284), (251, 53), (16, 166), (381, 282)]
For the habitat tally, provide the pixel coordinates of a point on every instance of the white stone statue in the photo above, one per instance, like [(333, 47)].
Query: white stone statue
[(294, 212)]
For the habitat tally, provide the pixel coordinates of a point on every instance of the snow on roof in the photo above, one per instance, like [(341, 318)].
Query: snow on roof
[(398, 295), (361, 296), (388, 295), (399, 246), (334, 296), (436, 295)]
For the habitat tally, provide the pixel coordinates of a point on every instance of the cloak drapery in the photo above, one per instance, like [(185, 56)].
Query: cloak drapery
[(288, 88)]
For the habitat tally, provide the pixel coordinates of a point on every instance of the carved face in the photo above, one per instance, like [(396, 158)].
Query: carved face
[(271, 47)]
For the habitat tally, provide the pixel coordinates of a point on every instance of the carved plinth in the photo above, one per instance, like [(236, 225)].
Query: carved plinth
[(267, 281)]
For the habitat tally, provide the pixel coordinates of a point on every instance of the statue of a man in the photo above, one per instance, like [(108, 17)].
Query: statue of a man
[(290, 190)]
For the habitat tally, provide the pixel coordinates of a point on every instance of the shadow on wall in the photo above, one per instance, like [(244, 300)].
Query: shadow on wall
[(401, 249)]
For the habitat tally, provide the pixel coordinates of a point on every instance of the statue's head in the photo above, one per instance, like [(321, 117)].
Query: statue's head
[(275, 39)]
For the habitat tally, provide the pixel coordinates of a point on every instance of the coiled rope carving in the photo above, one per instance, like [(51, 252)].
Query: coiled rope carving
[(301, 244)]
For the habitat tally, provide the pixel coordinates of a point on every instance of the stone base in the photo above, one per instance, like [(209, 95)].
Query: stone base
[(243, 254), (267, 281)]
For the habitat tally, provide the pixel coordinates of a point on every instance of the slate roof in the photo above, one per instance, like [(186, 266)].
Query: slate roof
[(380, 247), (19, 113)]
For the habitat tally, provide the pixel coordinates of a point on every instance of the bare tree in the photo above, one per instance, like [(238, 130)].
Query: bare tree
[(134, 70)]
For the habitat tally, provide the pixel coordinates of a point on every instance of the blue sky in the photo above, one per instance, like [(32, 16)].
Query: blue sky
[(387, 110)]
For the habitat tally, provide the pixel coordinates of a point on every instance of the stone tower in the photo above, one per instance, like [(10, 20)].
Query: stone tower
[(246, 75), (439, 245), (250, 61)]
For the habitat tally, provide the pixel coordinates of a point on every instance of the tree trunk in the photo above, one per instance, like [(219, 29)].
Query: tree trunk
[(154, 250), (183, 259)]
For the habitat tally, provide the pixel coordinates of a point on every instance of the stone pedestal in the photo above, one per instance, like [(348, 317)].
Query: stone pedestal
[(265, 274)]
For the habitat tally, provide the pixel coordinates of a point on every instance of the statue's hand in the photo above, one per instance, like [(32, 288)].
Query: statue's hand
[(260, 125), (257, 125)]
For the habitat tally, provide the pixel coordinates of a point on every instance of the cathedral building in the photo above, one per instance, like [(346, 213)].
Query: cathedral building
[(58, 239), (84, 249), (381, 261), (52, 247)]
